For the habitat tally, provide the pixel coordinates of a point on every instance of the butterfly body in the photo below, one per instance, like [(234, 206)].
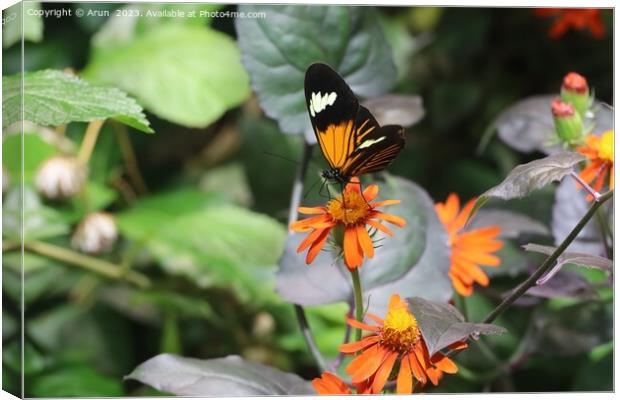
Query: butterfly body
[(351, 140)]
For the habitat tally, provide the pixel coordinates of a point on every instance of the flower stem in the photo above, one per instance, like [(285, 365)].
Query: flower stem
[(302, 321), (359, 302), (89, 263), (90, 138), (596, 195), (129, 156), (550, 261), (309, 338)]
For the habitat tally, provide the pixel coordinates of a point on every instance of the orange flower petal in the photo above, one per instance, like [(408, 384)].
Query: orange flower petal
[(365, 242), (416, 368), (473, 270), (317, 246), (434, 375), (356, 324), (311, 210), (384, 203), (354, 347), (370, 365), (359, 360), (444, 364), (352, 256), (383, 373), (375, 318), (371, 192), (309, 239), (393, 219), (404, 381), (329, 383), (379, 226), (477, 258), (461, 287)]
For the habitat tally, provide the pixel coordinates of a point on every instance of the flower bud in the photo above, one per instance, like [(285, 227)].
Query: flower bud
[(575, 91), (568, 124), (60, 178), (95, 234)]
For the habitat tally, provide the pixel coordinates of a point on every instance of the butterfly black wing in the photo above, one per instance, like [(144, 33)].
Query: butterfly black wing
[(332, 108), (352, 141), (375, 146)]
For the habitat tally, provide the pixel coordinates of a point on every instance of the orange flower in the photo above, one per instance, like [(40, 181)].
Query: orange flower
[(329, 384), (352, 210), (469, 249), (575, 18), (395, 341), (600, 153)]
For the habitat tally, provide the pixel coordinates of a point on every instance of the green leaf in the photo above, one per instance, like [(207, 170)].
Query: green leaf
[(526, 178), (278, 49), (442, 325), (414, 262), (74, 381), (54, 98), (12, 23), (222, 246), (189, 75), (228, 376), (39, 221), (36, 150), (120, 29), (146, 216)]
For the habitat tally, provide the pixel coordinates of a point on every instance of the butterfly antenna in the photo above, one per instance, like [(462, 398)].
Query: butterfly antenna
[(312, 187)]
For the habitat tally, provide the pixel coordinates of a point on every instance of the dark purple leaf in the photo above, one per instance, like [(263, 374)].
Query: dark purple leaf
[(394, 109), (228, 376), (565, 284), (511, 223), (441, 324)]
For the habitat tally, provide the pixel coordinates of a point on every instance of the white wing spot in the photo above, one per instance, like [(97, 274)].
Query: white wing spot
[(370, 142), (319, 103)]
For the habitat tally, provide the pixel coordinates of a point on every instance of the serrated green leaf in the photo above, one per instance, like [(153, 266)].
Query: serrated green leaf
[(414, 262), (54, 98), (277, 50), (12, 23), (189, 75), (227, 376)]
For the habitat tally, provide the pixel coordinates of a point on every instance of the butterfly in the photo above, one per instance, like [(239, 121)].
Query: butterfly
[(351, 140)]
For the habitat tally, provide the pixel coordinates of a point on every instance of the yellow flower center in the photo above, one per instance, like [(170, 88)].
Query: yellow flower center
[(606, 146), (349, 209), (400, 329)]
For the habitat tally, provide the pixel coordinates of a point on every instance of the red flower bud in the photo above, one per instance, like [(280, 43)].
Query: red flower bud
[(562, 109), (575, 83), (568, 123)]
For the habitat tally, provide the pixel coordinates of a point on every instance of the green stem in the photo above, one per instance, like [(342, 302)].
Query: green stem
[(309, 338), (88, 143), (359, 302), (549, 262), (92, 264)]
